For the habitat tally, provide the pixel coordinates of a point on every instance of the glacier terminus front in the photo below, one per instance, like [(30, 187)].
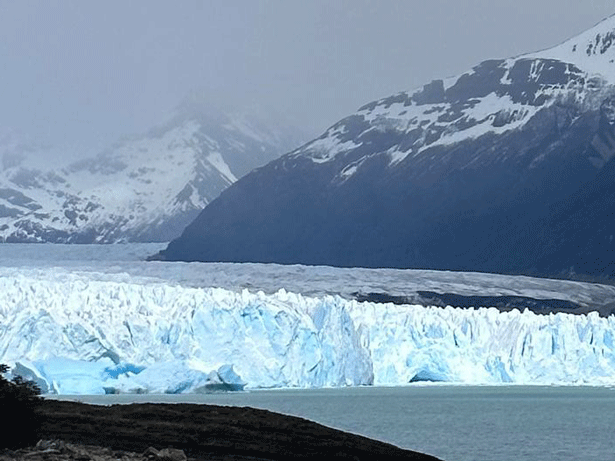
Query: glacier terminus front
[(77, 331)]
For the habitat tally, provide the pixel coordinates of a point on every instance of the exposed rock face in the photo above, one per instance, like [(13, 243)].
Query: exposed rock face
[(461, 174), (57, 450)]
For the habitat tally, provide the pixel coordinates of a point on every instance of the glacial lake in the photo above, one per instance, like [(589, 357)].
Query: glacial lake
[(454, 423)]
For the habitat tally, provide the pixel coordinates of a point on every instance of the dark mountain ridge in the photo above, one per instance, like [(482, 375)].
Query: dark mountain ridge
[(506, 168)]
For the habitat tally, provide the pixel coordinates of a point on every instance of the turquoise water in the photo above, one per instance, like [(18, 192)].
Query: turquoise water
[(454, 423)]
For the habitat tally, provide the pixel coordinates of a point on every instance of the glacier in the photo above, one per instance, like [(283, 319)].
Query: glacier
[(77, 331)]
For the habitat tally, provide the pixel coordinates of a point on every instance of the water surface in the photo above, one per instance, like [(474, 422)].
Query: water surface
[(454, 423)]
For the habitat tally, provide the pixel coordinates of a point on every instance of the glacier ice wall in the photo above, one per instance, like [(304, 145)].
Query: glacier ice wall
[(77, 335)]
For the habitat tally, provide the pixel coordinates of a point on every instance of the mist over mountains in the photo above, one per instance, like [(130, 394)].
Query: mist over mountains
[(505, 168), (143, 188)]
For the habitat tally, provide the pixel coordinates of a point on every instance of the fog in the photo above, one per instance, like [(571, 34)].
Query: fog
[(86, 73)]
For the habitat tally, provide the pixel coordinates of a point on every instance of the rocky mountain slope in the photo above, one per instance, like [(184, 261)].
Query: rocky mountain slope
[(143, 189), (505, 168)]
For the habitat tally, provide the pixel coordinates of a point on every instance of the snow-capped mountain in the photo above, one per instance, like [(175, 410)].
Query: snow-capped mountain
[(464, 173), (143, 189), (91, 333)]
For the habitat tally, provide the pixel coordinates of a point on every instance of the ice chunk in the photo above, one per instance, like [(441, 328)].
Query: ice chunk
[(67, 376)]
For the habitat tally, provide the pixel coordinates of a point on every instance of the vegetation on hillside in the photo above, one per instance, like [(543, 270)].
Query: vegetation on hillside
[(18, 401)]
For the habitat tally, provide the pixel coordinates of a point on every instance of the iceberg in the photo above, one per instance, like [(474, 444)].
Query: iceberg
[(77, 334)]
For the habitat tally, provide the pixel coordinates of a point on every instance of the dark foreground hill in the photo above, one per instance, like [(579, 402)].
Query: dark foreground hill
[(507, 168), (207, 432)]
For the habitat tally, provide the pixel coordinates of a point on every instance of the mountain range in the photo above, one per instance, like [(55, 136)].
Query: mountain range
[(505, 168), (142, 189)]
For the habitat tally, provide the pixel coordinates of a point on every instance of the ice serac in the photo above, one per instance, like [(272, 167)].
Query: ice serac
[(476, 172), (75, 335), (142, 189)]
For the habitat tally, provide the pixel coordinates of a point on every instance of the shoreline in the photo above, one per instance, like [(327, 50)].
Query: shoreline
[(207, 432)]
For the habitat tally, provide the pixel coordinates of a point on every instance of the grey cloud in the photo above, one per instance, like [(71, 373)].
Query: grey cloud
[(89, 72)]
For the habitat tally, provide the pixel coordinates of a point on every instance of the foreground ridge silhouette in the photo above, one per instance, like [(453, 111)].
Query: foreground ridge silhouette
[(208, 432)]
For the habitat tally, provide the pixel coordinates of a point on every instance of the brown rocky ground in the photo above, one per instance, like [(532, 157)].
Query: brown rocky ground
[(172, 432), (57, 450)]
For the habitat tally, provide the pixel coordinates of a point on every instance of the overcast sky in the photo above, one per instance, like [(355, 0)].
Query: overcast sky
[(89, 72)]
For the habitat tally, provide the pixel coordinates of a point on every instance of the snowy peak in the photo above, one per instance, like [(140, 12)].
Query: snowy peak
[(593, 50), (495, 97), (250, 129), (141, 189), (462, 173)]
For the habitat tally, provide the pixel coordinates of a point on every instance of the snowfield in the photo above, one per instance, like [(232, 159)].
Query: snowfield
[(145, 188), (108, 326)]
